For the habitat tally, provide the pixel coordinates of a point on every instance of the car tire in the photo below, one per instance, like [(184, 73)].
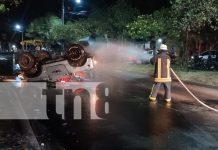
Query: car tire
[(34, 71), (43, 55), (76, 55), (26, 61)]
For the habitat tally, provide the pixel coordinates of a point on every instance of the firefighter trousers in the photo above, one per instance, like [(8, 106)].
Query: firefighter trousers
[(156, 87)]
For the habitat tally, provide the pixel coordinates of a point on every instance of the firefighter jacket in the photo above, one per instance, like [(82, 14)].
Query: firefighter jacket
[(162, 67)]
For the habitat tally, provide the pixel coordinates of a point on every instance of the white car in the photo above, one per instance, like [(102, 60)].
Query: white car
[(146, 56), (76, 64)]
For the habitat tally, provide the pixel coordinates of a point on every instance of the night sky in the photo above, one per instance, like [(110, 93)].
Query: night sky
[(31, 9)]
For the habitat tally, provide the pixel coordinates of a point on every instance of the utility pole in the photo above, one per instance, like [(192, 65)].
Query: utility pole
[(63, 12), (22, 41), (63, 17)]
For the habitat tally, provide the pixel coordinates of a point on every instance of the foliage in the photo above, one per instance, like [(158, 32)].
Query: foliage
[(42, 27), (111, 21), (184, 15), (50, 29), (70, 32), (195, 21), (6, 5), (147, 26), (119, 15), (96, 22), (194, 15)]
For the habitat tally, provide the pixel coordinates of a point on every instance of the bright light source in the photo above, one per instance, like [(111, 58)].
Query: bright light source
[(13, 46), (62, 81), (159, 40), (78, 1), (18, 27), (20, 77), (95, 62)]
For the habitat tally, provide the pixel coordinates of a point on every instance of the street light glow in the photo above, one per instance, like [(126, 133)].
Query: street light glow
[(17, 26), (78, 1), (159, 40)]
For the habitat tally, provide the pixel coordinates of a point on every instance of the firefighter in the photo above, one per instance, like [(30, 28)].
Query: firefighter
[(161, 74)]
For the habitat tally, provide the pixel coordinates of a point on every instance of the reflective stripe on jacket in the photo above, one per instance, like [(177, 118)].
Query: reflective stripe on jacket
[(162, 68)]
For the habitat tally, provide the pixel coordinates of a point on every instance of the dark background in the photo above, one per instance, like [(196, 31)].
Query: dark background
[(31, 9)]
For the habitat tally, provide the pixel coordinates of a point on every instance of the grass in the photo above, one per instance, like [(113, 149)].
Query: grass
[(196, 76), (202, 77)]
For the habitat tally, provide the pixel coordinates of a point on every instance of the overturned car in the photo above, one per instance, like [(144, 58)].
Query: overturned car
[(75, 65)]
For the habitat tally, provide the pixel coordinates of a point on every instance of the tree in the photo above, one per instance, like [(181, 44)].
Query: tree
[(149, 26), (6, 5), (119, 15), (195, 14), (97, 22), (50, 29), (110, 20), (69, 33), (42, 27), (195, 20)]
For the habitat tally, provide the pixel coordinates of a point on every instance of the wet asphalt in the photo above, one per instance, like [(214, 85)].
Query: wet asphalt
[(133, 123)]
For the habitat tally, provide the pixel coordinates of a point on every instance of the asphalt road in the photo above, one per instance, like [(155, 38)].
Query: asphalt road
[(133, 123)]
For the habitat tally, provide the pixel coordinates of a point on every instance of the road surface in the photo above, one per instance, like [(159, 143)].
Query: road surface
[(133, 123)]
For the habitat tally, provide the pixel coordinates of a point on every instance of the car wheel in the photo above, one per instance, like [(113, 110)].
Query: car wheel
[(43, 55), (76, 55), (34, 71), (26, 61)]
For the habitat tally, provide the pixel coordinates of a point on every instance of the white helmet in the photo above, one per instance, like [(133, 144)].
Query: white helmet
[(163, 47)]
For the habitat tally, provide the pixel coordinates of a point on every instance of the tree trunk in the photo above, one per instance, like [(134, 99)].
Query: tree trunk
[(185, 53)]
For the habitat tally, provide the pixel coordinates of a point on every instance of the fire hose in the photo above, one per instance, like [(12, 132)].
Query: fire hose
[(198, 100)]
